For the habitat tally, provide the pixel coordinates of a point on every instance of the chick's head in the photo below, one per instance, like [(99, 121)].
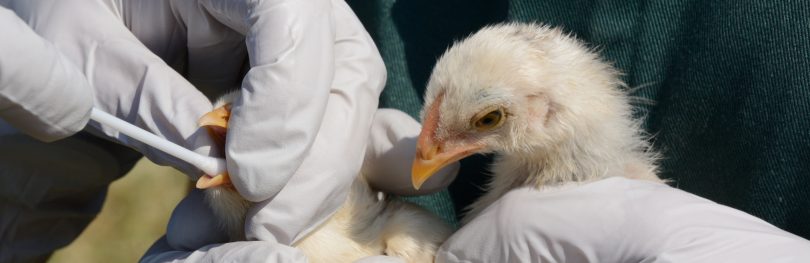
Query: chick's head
[(515, 89)]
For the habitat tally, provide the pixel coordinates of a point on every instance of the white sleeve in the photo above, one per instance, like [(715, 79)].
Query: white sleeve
[(41, 92)]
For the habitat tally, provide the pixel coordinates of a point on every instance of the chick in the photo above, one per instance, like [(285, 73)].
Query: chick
[(363, 226), (550, 109)]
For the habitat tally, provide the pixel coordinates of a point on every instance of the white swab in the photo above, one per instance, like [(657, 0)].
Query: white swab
[(209, 165)]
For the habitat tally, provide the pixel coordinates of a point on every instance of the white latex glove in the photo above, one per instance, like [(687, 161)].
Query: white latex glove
[(41, 92), (129, 81), (618, 220), (298, 134), (308, 58)]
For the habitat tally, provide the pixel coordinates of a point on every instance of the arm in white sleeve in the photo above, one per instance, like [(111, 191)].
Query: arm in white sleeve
[(128, 80), (284, 94), (41, 92)]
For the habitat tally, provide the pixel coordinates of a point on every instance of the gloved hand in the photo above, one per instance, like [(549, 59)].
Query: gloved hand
[(300, 129), (309, 95), (128, 79), (618, 220), (33, 77), (193, 228)]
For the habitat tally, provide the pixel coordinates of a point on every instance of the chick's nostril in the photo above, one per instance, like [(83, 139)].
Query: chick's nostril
[(431, 152), (427, 153)]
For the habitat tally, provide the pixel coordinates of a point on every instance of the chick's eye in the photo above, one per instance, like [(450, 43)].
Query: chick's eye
[(489, 120)]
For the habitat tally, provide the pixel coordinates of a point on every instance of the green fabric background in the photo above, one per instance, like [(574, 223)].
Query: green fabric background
[(723, 85)]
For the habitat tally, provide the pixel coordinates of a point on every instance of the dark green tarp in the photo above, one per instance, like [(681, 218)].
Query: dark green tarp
[(730, 82)]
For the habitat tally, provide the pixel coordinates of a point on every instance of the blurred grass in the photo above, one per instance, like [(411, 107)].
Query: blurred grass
[(134, 215)]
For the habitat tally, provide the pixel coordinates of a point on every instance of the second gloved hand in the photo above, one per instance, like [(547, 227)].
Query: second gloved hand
[(617, 220)]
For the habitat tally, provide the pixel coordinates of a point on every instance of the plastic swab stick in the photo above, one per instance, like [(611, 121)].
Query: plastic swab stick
[(209, 165)]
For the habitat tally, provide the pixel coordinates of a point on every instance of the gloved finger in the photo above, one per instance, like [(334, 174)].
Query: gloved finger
[(244, 251), (193, 224), (129, 81), (35, 74), (291, 47), (321, 183), (380, 259), (390, 153)]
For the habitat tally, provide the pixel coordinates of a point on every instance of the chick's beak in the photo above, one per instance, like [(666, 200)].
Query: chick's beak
[(207, 181), (216, 122), (431, 157), (431, 154)]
